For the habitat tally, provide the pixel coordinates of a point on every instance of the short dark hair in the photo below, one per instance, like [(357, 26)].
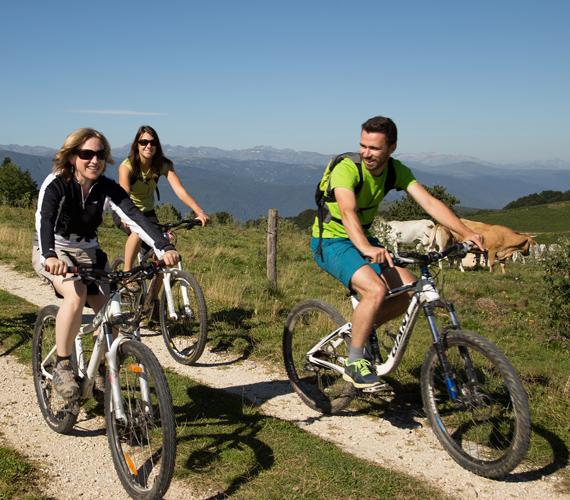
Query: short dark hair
[(383, 125)]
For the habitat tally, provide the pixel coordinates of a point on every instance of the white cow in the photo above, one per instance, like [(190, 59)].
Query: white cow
[(411, 232), (441, 239), (553, 248), (538, 251)]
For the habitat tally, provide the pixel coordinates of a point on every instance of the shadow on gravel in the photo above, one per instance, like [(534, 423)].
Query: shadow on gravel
[(237, 341), (16, 332), (221, 436), (560, 458)]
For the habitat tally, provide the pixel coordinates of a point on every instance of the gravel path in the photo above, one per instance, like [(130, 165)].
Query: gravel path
[(405, 444)]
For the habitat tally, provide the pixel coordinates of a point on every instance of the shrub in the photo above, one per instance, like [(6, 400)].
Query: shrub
[(557, 281), (17, 188), (167, 213)]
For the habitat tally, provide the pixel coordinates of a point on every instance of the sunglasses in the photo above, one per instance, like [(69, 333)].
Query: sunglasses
[(145, 142), (87, 154)]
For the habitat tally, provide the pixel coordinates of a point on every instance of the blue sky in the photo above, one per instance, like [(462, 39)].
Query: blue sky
[(481, 78)]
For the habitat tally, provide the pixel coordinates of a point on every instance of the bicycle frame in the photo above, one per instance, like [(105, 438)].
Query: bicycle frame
[(109, 315), (425, 296), (166, 275)]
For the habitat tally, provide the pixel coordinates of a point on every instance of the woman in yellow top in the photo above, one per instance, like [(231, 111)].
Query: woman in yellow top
[(138, 176)]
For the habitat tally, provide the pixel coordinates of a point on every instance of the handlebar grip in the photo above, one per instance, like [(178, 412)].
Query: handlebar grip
[(68, 270)]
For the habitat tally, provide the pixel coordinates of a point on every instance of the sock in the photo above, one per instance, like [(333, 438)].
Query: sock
[(62, 358), (355, 353)]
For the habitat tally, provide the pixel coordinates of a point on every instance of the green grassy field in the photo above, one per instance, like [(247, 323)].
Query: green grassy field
[(246, 315), (548, 222)]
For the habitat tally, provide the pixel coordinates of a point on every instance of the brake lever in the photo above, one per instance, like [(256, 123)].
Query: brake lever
[(72, 278)]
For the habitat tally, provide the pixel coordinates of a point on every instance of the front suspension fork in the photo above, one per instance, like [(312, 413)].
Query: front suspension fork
[(438, 342)]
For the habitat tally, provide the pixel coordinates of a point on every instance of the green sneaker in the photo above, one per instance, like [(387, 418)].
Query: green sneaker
[(358, 373)]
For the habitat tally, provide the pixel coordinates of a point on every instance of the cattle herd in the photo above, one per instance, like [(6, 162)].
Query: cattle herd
[(501, 242)]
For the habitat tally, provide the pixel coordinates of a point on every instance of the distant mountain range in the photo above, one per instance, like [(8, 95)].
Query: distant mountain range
[(246, 183)]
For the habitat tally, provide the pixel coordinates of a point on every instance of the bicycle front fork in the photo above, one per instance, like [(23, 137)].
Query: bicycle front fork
[(169, 299), (112, 355), (438, 342)]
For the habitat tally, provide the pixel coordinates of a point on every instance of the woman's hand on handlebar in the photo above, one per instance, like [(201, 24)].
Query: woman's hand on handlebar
[(171, 258), (378, 255), (55, 266)]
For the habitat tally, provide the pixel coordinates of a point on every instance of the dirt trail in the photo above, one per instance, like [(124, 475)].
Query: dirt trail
[(406, 443)]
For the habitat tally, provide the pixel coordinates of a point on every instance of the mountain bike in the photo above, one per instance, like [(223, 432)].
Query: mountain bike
[(472, 396), (178, 298), (139, 417)]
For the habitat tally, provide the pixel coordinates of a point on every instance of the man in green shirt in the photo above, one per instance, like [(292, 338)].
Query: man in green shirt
[(358, 260)]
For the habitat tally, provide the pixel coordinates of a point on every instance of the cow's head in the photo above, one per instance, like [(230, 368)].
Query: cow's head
[(529, 240)]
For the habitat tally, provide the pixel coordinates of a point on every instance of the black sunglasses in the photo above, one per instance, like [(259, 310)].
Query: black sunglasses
[(144, 142), (87, 154)]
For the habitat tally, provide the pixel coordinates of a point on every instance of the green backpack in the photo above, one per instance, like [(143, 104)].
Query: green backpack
[(324, 195)]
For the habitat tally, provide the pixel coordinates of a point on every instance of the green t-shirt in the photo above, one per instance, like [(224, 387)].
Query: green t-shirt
[(345, 175), (142, 190)]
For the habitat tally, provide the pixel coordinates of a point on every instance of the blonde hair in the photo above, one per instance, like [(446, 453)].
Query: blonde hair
[(72, 143)]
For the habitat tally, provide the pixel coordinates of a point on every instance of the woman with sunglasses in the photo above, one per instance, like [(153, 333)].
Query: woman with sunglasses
[(138, 176), (70, 210)]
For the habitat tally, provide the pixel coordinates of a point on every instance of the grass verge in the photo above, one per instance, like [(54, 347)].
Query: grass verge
[(228, 447)]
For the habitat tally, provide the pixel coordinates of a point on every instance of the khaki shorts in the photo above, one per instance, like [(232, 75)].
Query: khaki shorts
[(89, 257)]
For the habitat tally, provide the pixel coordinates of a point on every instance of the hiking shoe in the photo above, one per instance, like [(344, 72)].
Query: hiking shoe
[(358, 373), (64, 380)]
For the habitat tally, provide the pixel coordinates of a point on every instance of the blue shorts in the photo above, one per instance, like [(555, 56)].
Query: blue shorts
[(341, 258)]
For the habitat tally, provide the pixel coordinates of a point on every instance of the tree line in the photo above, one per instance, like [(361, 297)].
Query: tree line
[(17, 188), (541, 198)]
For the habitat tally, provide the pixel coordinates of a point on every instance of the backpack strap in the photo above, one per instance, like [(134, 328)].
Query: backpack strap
[(328, 196), (322, 210)]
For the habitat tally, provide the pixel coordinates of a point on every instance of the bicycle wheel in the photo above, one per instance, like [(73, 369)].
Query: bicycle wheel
[(117, 264), (321, 388), (59, 414), (185, 333), (486, 428), (144, 444)]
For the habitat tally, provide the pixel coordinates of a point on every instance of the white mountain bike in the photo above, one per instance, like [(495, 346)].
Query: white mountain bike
[(472, 395), (175, 298), (141, 428)]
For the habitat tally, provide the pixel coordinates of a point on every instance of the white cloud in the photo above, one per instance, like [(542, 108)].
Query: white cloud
[(125, 112)]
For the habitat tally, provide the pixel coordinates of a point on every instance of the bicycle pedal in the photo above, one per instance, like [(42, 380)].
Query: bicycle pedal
[(380, 387)]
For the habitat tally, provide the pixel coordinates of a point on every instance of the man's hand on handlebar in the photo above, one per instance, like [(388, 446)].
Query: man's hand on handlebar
[(171, 258), (378, 255), (476, 239)]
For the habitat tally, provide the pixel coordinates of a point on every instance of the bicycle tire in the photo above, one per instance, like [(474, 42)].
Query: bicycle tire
[(486, 429), (143, 448), (58, 414), (117, 264), (322, 389), (185, 337)]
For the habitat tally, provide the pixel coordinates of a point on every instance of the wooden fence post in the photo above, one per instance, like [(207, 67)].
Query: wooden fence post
[(272, 247)]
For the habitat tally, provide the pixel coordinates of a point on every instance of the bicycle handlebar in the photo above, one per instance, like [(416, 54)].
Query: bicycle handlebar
[(188, 223), (457, 250), (148, 269)]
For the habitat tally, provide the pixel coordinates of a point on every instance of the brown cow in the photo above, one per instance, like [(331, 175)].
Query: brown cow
[(500, 241), (441, 238)]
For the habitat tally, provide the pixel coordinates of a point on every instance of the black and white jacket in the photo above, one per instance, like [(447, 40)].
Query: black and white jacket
[(64, 218)]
